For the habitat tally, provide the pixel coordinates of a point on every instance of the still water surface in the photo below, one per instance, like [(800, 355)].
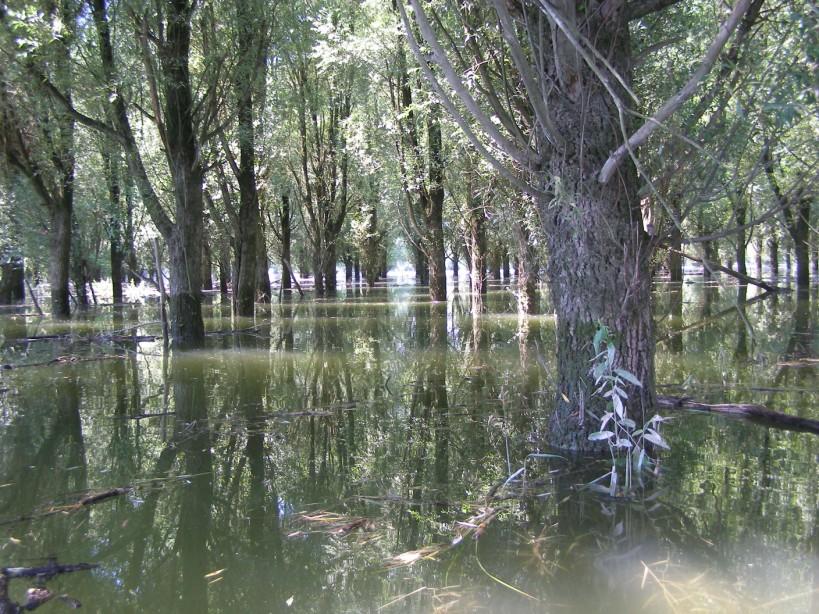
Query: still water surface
[(336, 456)]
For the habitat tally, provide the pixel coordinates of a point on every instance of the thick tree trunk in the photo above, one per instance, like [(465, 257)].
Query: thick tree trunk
[(12, 281), (79, 270), (437, 265), (59, 257), (505, 263), (599, 254), (740, 210), (329, 274), (244, 291), (318, 274), (421, 266), (800, 231), (675, 260), (224, 267), (357, 269)]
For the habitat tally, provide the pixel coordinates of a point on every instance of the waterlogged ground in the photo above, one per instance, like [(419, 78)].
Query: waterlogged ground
[(336, 456)]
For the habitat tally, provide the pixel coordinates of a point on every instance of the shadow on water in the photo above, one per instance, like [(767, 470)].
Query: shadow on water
[(343, 455)]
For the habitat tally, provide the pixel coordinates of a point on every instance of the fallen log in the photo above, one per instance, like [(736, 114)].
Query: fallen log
[(755, 413)]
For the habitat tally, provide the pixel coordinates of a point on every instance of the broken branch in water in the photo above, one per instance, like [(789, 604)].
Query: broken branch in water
[(85, 501), (35, 596), (757, 413)]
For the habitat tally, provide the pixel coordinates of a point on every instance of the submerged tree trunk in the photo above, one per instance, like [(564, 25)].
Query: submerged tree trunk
[(599, 254)]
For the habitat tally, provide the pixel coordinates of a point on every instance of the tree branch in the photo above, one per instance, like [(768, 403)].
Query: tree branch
[(676, 101), (641, 8)]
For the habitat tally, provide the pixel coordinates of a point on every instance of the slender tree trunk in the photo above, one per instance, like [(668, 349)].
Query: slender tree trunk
[(435, 208), (117, 260), (117, 251), (773, 256), (505, 263), (59, 258), (284, 222), (740, 213), (477, 239), (207, 267), (128, 239), (526, 275), (348, 269), (675, 259), (709, 256), (788, 261), (263, 289), (495, 264)]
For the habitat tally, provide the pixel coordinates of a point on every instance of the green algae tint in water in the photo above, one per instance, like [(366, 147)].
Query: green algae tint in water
[(336, 455)]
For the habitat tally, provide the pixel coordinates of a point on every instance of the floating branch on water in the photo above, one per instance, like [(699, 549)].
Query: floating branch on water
[(89, 499), (756, 413), (331, 523), (36, 596)]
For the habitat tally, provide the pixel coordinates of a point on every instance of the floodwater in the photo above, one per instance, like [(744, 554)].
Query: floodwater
[(339, 456)]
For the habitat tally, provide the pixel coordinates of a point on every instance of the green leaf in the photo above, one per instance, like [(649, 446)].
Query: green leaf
[(629, 377), (617, 402), (654, 437)]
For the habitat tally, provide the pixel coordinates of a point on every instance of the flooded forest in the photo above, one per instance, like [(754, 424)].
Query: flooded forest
[(409, 306)]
